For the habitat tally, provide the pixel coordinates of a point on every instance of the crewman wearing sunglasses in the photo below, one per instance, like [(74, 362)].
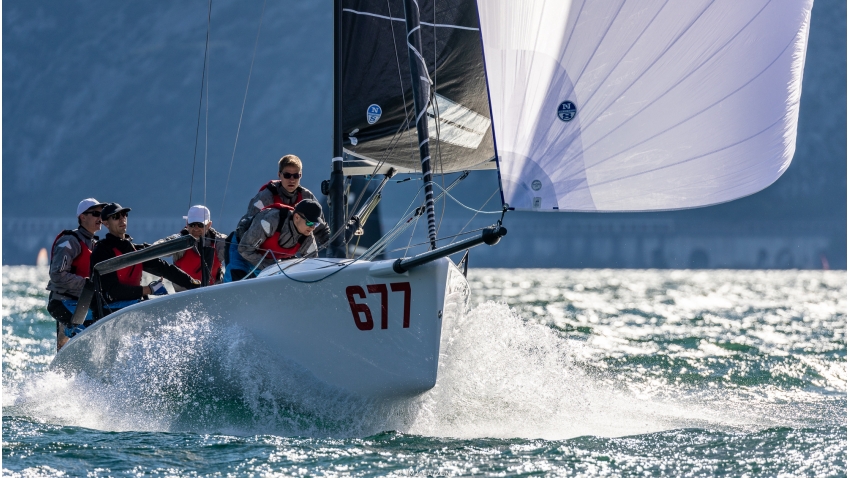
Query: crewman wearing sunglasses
[(277, 232), (124, 286), (69, 266), (205, 261), (287, 189)]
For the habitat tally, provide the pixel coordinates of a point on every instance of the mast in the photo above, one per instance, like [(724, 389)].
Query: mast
[(421, 83), (336, 187)]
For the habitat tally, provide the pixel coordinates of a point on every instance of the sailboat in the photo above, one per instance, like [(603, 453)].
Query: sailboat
[(579, 106)]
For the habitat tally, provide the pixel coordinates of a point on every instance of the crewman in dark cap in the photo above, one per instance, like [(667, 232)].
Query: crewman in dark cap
[(287, 190), (124, 286), (278, 232)]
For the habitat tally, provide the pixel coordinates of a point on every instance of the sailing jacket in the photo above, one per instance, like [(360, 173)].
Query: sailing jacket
[(190, 260), (266, 224), (125, 284), (273, 190), (70, 263)]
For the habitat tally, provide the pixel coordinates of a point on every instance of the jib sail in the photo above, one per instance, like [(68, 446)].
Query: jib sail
[(644, 105)]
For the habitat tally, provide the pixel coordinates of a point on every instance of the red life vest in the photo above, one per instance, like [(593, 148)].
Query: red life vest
[(271, 243), (190, 263), (275, 196), (81, 265), (131, 275)]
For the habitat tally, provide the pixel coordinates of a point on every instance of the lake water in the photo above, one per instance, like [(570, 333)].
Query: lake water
[(552, 372)]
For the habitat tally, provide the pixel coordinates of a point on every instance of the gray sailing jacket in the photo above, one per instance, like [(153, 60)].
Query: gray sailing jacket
[(265, 224), (64, 284), (266, 197)]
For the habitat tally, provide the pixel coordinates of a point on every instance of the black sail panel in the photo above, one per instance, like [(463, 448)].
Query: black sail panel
[(377, 102)]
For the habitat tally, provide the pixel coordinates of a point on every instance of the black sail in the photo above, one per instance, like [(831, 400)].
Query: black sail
[(377, 102)]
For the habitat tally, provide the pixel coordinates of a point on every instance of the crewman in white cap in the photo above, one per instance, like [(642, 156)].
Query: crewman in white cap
[(70, 266), (205, 261)]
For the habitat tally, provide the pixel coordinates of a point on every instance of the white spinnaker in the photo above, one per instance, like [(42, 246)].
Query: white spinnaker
[(679, 104)]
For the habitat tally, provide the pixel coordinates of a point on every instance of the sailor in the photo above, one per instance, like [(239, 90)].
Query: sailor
[(205, 261), (123, 287), (287, 189), (277, 232), (69, 266)]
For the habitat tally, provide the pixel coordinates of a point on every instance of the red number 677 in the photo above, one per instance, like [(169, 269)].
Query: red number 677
[(363, 315)]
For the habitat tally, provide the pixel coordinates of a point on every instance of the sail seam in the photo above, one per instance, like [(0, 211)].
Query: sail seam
[(707, 60)]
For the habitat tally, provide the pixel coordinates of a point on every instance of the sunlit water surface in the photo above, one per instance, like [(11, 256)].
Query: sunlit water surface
[(554, 372)]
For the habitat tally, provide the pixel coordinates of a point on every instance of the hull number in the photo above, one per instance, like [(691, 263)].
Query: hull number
[(363, 314)]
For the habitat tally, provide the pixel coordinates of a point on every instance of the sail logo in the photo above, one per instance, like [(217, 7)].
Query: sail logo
[(373, 114), (536, 185), (566, 111)]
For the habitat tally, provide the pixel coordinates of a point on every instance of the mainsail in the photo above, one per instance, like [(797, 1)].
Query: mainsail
[(642, 105), (377, 107)]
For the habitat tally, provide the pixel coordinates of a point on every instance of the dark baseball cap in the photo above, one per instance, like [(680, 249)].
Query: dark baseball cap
[(112, 208), (310, 209)]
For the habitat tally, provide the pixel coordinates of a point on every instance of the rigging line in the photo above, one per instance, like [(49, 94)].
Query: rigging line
[(200, 104), (473, 216), (400, 80), (412, 234), (242, 112), (436, 110), (207, 128), (440, 166), (465, 206), (384, 17), (395, 231), (441, 239)]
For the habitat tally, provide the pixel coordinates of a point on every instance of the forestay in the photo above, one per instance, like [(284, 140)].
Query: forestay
[(377, 103), (642, 105)]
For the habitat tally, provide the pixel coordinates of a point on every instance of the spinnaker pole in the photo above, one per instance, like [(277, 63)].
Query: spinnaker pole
[(336, 186), (421, 83)]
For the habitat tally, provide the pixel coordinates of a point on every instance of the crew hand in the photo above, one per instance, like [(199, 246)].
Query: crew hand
[(321, 234), (194, 284), (157, 288), (73, 330)]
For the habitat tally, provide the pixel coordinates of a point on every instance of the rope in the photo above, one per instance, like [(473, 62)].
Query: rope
[(200, 104), (476, 211), (473, 216), (242, 112), (440, 239)]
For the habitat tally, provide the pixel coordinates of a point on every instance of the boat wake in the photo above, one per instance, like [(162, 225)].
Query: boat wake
[(500, 376)]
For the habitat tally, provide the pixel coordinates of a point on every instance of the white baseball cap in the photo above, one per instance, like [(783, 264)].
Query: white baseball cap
[(87, 204), (198, 214)]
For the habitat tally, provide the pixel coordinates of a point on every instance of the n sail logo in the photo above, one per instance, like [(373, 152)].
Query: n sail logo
[(373, 114), (566, 111)]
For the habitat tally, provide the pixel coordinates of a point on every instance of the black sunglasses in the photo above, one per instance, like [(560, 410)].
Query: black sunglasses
[(308, 223), (196, 224), (291, 175), (117, 215), (93, 213)]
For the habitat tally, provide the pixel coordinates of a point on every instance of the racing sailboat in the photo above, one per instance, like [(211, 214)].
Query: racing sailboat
[(580, 106)]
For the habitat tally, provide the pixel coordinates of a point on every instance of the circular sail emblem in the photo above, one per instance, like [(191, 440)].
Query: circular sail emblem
[(373, 114), (567, 111), (536, 185)]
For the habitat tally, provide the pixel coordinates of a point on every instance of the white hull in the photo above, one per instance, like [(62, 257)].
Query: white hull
[(308, 323)]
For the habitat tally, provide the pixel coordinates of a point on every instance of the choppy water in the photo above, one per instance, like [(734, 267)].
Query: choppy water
[(552, 372)]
